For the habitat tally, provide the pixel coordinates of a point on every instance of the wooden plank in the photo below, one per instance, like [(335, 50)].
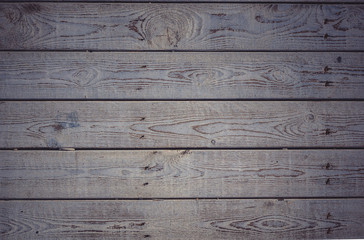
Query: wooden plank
[(187, 219), (181, 174), (65, 75), (181, 124), (218, 1), (140, 26)]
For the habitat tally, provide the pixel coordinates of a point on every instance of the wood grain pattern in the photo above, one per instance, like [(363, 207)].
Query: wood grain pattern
[(188, 219), (181, 124), (58, 75), (124, 26), (218, 1), (181, 174)]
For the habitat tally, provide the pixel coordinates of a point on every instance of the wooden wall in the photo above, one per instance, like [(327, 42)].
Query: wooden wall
[(176, 120)]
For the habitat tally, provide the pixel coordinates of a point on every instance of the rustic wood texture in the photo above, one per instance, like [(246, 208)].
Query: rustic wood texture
[(181, 174), (188, 219), (58, 75), (218, 1), (140, 26), (181, 124)]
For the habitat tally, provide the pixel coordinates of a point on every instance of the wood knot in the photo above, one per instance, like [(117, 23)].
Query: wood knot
[(164, 26), (310, 117), (84, 77)]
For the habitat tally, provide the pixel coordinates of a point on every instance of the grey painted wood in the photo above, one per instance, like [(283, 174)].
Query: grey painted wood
[(212, 1), (181, 124), (59, 75), (186, 219), (181, 174), (140, 26)]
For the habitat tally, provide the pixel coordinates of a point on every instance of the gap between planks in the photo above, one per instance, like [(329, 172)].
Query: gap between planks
[(179, 199)]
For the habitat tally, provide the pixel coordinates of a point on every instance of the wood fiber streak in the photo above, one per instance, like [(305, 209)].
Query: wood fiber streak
[(181, 174), (188, 219), (140, 26), (58, 75), (218, 1), (182, 124)]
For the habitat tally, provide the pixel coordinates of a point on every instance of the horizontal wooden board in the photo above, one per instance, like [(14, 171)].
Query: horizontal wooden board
[(59, 75), (181, 174), (140, 26), (181, 124), (187, 219), (213, 1)]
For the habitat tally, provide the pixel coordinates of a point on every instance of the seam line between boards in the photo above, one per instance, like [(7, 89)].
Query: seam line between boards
[(90, 51), (180, 199), (197, 2), (182, 149)]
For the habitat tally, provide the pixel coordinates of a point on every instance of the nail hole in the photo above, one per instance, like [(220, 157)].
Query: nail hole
[(339, 59), (142, 136), (326, 69), (213, 142), (328, 230), (146, 236), (37, 232), (145, 184), (326, 36), (328, 84), (328, 166), (328, 215), (142, 119), (327, 131), (326, 21), (328, 181)]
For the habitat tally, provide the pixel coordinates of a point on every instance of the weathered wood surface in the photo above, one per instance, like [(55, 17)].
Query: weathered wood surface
[(187, 219), (140, 26), (219, 1), (181, 174), (181, 124), (58, 75)]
